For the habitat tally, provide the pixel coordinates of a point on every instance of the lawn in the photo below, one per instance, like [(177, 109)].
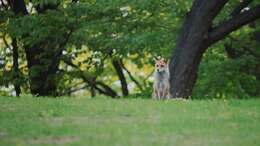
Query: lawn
[(128, 122)]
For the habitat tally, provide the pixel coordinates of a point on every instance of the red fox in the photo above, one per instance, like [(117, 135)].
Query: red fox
[(161, 76)]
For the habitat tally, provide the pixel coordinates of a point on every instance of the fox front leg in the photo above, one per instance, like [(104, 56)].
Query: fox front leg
[(166, 94), (159, 95), (155, 94), (163, 94)]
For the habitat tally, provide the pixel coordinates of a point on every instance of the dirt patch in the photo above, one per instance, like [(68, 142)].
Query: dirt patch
[(2, 134), (103, 120), (54, 121), (7, 108), (52, 140)]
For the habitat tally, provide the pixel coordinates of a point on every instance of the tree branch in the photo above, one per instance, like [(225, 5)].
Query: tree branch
[(58, 54), (240, 7), (4, 5), (68, 92), (98, 85), (107, 90), (15, 58), (18, 6), (16, 67), (121, 76), (5, 42), (74, 1), (233, 24), (131, 76)]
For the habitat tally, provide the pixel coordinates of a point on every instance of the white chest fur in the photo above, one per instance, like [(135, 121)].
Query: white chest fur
[(161, 79)]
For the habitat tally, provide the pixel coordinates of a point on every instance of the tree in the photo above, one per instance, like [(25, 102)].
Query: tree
[(49, 28), (106, 47), (198, 33), (43, 60)]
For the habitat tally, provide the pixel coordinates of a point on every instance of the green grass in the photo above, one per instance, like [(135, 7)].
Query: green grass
[(128, 122)]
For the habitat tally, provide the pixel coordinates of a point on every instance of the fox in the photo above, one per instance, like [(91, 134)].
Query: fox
[(161, 85)]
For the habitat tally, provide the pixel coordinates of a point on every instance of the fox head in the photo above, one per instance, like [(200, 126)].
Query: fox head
[(161, 65)]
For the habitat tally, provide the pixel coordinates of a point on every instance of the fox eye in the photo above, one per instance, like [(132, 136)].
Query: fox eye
[(162, 65), (157, 65)]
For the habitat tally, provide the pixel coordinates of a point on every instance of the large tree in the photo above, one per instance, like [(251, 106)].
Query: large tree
[(199, 32), (43, 56)]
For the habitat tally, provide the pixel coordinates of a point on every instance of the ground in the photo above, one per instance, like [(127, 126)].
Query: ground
[(32, 121)]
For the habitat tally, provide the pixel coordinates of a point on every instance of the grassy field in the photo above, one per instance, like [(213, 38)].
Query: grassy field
[(128, 122)]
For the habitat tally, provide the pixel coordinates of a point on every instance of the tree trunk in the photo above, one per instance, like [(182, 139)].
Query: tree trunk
[(42, 60), (121, 76), (43, 68), (191, 45), (16, 68), (18, 8), (197, 35)]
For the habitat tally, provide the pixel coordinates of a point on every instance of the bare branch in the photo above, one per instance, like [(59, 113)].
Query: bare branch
[(233, 24), (116, 64), (98, 85), (75, 90), (5, 42), (131, 76)]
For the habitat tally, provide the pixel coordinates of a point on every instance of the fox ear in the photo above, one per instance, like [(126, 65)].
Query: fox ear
[(163, 59), (156, 58)]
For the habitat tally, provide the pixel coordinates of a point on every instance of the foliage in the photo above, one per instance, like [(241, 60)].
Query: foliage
[(224, 76), (92, 33)]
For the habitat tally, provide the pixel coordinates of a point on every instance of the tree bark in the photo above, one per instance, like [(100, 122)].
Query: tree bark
[(197, 35), (42, 60), (121, 76), (18, 8), (42, 71), (191, 45), (16, 67)]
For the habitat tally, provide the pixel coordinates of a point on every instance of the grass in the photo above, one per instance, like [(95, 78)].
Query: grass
[(128, 122)]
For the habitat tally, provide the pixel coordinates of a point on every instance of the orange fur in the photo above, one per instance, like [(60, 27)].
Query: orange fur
[(161, 80)]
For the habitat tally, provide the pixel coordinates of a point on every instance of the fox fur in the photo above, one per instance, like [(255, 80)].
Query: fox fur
[(161, 76)]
